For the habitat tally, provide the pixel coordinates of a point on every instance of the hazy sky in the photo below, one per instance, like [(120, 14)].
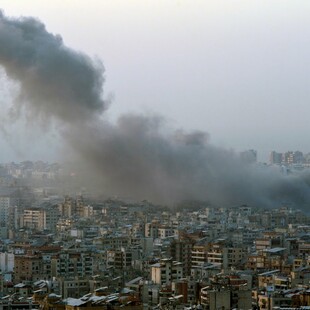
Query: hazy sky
[(239, 70)]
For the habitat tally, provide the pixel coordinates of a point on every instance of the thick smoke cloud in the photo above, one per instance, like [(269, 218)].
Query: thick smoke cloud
[(137, 156), (55, 81)]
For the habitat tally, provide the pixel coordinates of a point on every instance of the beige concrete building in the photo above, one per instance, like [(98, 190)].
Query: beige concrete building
[(33, 218)]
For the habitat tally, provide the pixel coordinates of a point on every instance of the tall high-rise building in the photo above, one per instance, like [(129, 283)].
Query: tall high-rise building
[(291, 157), (249, 156), (181, 251), (7, 200), (275, 158), (298, 157)]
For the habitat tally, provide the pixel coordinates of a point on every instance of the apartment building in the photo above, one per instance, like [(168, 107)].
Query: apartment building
[(72, 264), (33, 218), (227, 292), (227, 257), (28, 267), (8, 199), (119, 259), (199, 255), (215, 299), (166, 271), (40, 218), (181, 251)]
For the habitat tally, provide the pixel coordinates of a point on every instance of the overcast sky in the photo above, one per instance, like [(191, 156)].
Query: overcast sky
[(236, 69)]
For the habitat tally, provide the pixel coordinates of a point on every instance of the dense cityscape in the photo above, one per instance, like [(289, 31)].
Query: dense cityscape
[(67, 249), (140, 209)]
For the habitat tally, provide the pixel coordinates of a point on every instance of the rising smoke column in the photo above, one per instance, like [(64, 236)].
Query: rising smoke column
[(55, 81), (137, 156)]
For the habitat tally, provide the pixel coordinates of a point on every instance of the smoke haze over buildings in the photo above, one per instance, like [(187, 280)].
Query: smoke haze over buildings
[(138, 156)]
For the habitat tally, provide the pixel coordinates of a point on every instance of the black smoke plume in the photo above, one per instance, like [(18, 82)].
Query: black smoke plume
[(137, 156)]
